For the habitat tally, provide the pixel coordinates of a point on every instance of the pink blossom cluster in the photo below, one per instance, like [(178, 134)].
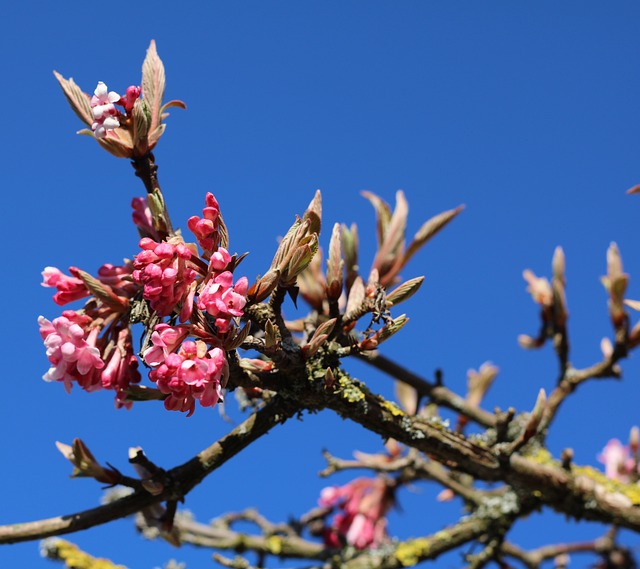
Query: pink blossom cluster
[(363, 505), (93, 347), (219, 297), (164, 271), (74, 353), (192, 373), (618, 461), (71, 350), (207, 228)]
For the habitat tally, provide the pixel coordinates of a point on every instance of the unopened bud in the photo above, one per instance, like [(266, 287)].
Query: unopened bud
[(528, 343), (335, 265), (85, 463), (634, 439), (479, 382), (264, 286), (329, 378), (536, 415), (558, 264)]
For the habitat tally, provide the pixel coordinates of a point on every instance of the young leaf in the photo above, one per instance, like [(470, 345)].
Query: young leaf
[(404, 291), (429, 229), (383, 214), (153, 83), (80, 102)]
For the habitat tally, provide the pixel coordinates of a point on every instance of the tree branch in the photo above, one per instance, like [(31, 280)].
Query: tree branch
[(180, 480), (437, 393)]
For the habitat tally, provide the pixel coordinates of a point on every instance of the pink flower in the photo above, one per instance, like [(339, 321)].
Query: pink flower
[(219, 260), (122, 369), (207, 228), (223, 300), (192, 374), (166, 340), (361, 522), (69, 288), (164, 271), (617, 460), (71, 351), (142, 218), (118, 278), (105, 115)]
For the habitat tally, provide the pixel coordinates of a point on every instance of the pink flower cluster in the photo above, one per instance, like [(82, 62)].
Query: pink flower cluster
[(72, 351), (105, 115), (618, 462), (207, 228), (69, 288), (166, 276), (191, 373), (220, 297), (361, 522), (93, 347)]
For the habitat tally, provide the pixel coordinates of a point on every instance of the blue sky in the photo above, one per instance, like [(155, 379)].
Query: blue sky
[(527, 113)]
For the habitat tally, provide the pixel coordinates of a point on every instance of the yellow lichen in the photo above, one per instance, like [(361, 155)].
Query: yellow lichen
[(542, 456), (274, 543), (393, 408), (351, 392), (410, 552), (75, 558), (631, 491)]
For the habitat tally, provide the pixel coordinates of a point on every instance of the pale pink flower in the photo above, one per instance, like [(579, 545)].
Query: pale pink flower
[(207, 228), (72, 352), (539, 288), (142, 218), (105, 115), (164, 271), (617, 460)]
